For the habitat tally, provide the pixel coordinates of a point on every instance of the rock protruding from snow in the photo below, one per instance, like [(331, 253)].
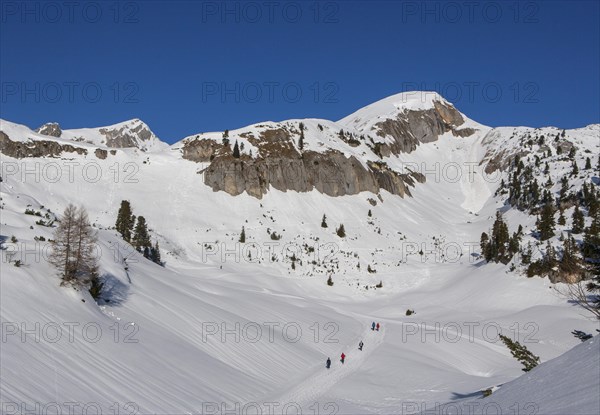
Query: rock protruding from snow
[(35, 148), (51, 129), (134, 133)]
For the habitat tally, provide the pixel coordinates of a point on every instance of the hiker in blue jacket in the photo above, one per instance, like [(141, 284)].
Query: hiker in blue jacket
[(328, 364), (373, 326)]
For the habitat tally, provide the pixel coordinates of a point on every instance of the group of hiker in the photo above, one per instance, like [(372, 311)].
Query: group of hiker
[(374, 327)]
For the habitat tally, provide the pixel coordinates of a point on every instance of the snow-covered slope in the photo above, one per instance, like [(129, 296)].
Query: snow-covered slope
[(169, 356), (567, 384)]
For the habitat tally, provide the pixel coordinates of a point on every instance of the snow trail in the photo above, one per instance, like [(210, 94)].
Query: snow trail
[(323, 379)]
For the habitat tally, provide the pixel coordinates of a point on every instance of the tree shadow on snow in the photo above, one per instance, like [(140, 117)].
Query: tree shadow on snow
[(114, 291)]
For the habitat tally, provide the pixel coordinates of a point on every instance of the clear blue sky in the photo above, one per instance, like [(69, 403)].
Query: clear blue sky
[(530, 63)]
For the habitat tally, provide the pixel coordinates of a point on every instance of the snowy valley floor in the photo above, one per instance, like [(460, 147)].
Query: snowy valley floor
[(177, 342)]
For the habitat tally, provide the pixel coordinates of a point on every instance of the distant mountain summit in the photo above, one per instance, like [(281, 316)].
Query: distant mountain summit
[(127, 134), (366, 151)]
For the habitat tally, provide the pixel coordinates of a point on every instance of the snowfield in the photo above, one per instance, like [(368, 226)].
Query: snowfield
[(226, 327)]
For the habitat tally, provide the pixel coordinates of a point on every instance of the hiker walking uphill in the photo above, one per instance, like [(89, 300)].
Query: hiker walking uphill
[(328, 363), (360, 345), (377, 327), (343, 357), (373, 326)]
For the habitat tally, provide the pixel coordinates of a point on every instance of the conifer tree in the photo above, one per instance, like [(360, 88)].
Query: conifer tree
[(526, 255), (341, 231), (578, 220), (500, 247), (125, 220), (243, 235), (564, 188), (301, 139), (521, 353), (324, 222), (550, 257), (593, 202), (570, 262), (514, 244), (546, 222), (588, 163), (575, 170), (500, 239), (561, 218), (155, 254), (572, 152), (484, 244), (236, 150), (141, 238), (591, 240)]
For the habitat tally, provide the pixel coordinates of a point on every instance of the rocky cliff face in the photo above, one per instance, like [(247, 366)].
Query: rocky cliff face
[(51, 129), (43, 148), (281, 164), (411, 128), (330, 173), (135, 135), (37, 148)]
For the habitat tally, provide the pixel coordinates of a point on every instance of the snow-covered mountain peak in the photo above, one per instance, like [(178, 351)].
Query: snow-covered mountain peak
[(126, 134), (395, 105), (412, 100), (404, 120)]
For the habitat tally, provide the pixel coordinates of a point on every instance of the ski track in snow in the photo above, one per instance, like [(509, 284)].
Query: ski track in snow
[(323, 379)]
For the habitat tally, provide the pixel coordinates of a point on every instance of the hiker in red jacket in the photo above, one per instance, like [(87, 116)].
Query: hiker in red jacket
[(377, 327), (343, 357)]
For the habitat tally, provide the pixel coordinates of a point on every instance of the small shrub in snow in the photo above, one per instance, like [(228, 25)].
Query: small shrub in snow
[(324, 222)]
